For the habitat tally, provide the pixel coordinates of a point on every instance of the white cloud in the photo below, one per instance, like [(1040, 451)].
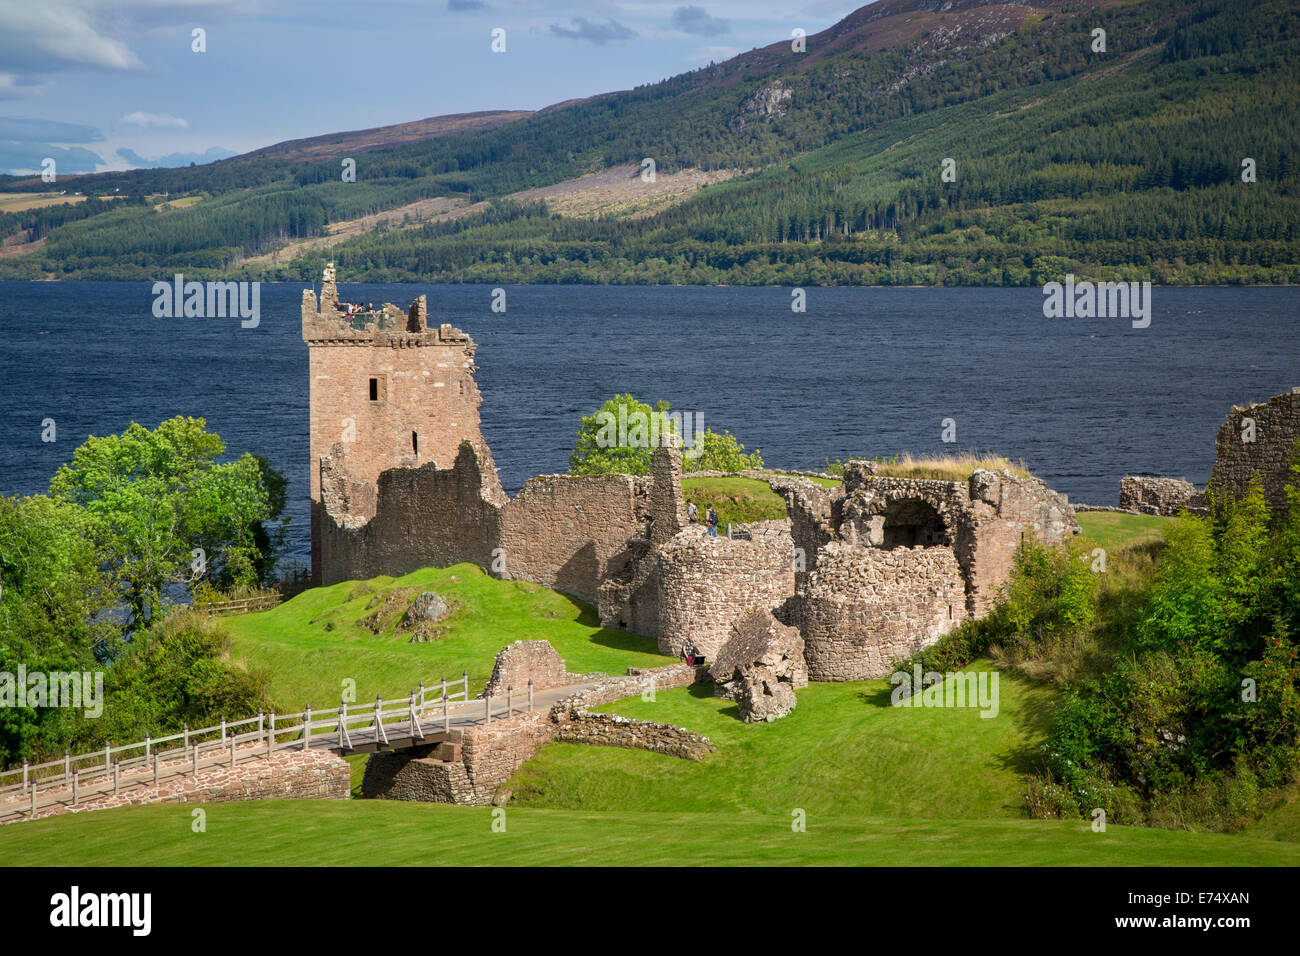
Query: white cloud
[(154, 120), (59, 34)]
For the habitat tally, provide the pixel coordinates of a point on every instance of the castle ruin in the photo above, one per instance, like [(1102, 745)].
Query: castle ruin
[(872, 570)]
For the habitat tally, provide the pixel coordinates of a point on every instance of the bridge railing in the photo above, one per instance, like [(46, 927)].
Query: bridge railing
[(33, 786)]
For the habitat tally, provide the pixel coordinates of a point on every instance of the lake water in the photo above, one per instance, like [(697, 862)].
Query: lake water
[(863, 372)]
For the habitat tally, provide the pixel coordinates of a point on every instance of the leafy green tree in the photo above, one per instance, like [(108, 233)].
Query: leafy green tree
[(163, 510), (175, 672), (53, 612), (617, 439), (721, 453)]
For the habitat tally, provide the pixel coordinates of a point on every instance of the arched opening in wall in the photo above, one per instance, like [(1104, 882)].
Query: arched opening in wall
[(913, 523)]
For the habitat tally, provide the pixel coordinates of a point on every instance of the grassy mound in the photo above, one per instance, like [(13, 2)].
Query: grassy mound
[(311, 643)]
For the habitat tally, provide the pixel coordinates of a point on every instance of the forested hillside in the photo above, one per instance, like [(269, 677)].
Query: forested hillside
[(1123, 163)]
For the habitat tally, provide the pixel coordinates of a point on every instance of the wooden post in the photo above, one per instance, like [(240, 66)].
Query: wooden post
[(510, 700), (421, 695), (270, 735), (223, 730), (446, 717), (33, 796), (155, 769), (232, 750), (186, 730), (306, 727), (260, 722), (530, 695), (147, 742), (196, 759), (75, 774), (108, 749), (24, 776), (67, 764), (487, 707), (117, 776), (464, 680)]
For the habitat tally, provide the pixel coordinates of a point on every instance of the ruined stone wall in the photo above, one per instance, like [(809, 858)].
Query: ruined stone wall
[(1151, 495), (1276, 431), (611, 730), (425, 516), (518, 663), (1006, 509), (570, 532), (705, 583), (863, 607)]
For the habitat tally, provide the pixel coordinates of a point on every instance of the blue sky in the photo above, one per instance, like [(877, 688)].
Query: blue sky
[(99, 85)]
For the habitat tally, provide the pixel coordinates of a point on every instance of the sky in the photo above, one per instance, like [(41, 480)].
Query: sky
[(100, 85)]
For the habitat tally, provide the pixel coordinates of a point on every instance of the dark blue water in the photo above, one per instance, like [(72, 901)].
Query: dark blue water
[(863, 372)]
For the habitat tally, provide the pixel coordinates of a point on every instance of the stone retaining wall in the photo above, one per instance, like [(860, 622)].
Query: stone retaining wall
[(285, 775)]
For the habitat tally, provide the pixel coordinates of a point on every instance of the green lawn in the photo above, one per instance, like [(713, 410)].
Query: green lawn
[(1111, 529), (311, 643), (737, 500), (390, 833), (844, 751)]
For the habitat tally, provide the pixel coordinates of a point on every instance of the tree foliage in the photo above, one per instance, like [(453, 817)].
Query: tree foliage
[(163, 510)]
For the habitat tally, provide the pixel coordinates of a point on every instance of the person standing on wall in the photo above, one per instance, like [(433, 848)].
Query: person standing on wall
[(692, 512), (712, 517)]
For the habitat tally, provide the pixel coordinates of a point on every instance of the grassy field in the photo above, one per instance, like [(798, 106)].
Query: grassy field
[(1111, 529), (873, 784), (384, 833), (737, 500), (844, 751), (21, 202), (311, 643)]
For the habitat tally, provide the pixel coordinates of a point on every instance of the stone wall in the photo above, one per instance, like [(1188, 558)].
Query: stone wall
[(518, 663), (1151, 495), (423, 516), (285, 775), (570, 532), (1276, 431), (483, 758), (611, 730), (864, 607), (705, 583)]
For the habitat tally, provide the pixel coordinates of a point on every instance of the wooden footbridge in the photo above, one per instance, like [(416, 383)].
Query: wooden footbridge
[(421, 720)]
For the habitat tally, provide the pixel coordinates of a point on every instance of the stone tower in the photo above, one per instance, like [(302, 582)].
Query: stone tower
[(385, 391)]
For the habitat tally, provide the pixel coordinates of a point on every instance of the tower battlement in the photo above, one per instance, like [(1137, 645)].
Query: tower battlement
[(329, 321)]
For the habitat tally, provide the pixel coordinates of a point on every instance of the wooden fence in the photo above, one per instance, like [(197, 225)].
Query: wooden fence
[(154, 759)]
